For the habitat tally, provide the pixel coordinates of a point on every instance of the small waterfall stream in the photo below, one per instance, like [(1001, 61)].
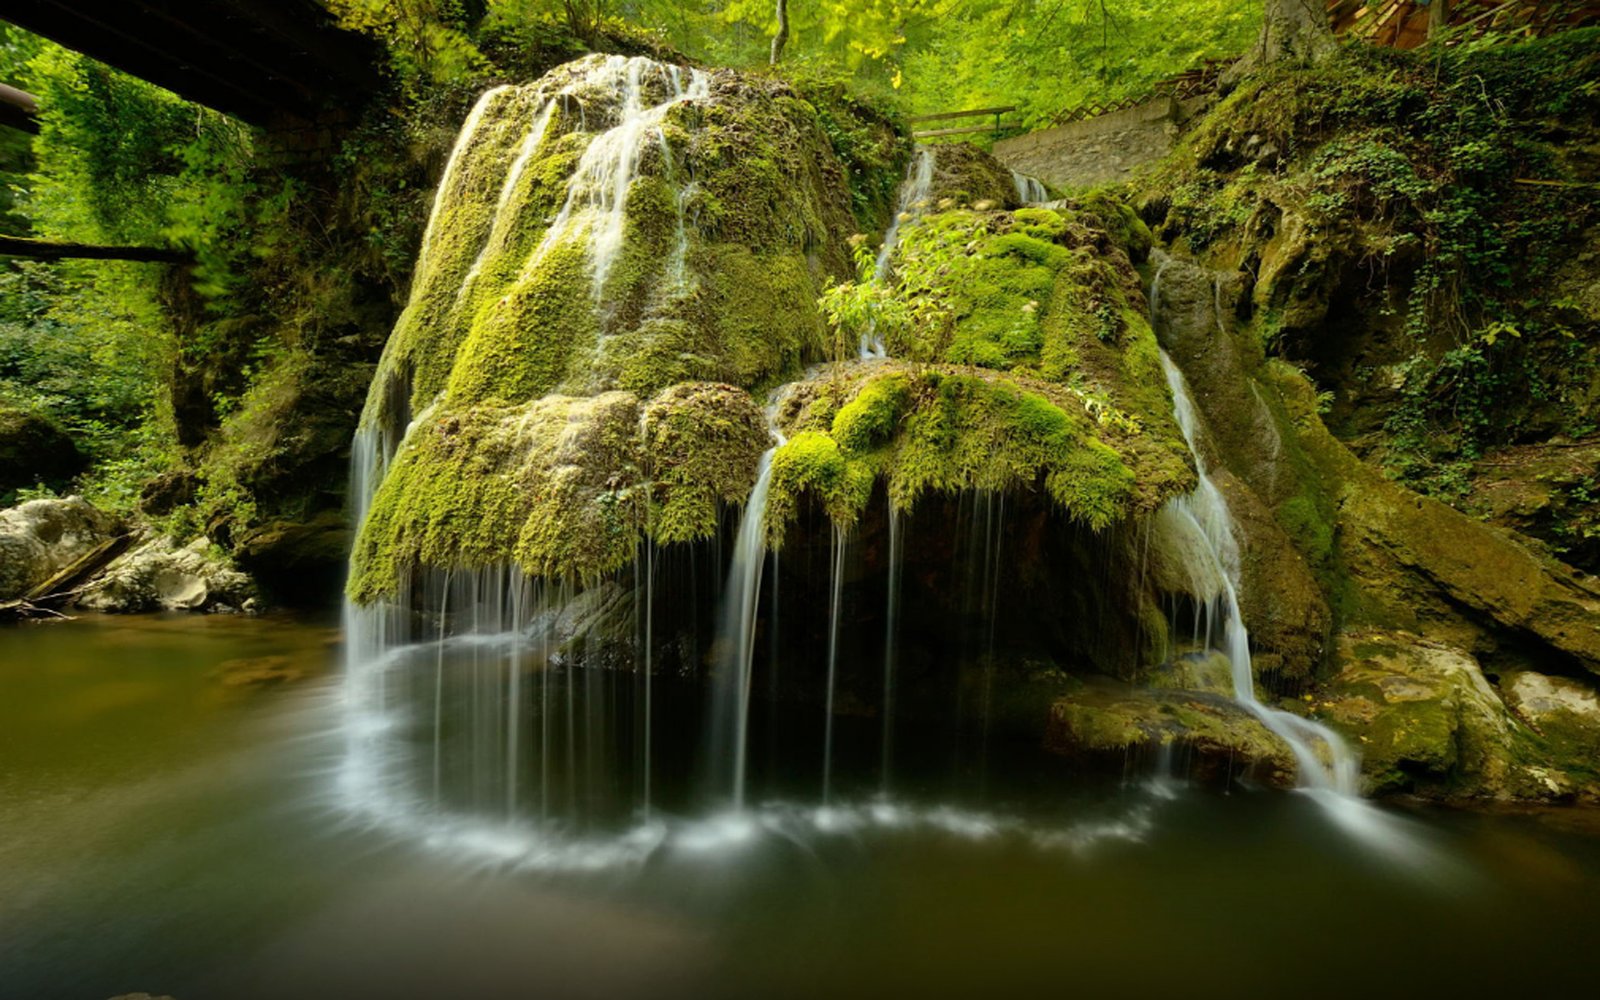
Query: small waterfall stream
[(1203, 516), (737, 624), (1030, 190), (597, 191), (914, 192)]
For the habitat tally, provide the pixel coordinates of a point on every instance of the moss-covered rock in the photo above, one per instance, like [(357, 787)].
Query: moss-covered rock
[(1427, 721), (600, 287), (34, 451), (925, 429), (1377, 213), (1106, 722), (964, 175)]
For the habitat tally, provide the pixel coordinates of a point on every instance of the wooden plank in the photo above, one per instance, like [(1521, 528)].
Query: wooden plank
[(934, 133), (942, 116), (1559, 184), (18, 246)]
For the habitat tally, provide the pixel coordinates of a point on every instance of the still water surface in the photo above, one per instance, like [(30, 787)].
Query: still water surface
[(169, 823)]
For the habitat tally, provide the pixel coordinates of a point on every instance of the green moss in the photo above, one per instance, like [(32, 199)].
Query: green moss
[(943, 430), (872, 416), (521, 346), (701, 446), (811, 463), (728, 236)]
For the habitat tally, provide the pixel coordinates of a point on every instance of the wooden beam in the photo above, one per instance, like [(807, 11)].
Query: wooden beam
[(18, 246), (935, 133), (19, 109), (960, 114)]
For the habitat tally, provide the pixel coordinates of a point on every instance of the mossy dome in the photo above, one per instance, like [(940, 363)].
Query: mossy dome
[(626, 257)]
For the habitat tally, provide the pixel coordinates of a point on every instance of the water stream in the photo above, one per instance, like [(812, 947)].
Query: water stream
[(914, 191), (1030, 190)]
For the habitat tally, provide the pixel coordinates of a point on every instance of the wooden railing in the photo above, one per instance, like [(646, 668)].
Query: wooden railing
[(995, 129)]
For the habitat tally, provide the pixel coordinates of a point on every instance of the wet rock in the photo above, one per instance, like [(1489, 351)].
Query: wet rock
[(1106, 722), (33, 450), (1427, 721), (162, 575), (41, 538), (1563, 710)]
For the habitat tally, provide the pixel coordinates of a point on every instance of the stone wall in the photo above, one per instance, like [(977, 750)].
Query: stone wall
[(1099, 150)]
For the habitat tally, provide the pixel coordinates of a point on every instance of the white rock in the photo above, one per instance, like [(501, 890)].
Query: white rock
[(160, 575), (41, 538)]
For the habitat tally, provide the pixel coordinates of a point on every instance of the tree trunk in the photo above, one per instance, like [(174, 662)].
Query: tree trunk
[(19, 109), (782, 37), (1292, 31)]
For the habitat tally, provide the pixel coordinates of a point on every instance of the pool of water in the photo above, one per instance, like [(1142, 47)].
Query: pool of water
[(171, 822)]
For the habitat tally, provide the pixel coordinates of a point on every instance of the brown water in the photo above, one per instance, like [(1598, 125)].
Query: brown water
[(166, 826)]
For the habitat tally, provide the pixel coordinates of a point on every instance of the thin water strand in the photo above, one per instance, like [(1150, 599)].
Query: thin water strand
[(913, 196)]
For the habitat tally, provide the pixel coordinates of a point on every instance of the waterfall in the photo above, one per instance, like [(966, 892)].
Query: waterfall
[(835, 594), (891, 628), (1030, 190), (913, 195), (444, 731), (1203, 517), (597, 191), (737, 624)]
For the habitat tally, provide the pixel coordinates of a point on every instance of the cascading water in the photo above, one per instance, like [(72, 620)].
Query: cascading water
[(914, 192), (891, 635), (841, 540), (731, 718), (1203, 519), (597, 191), (1206, 527), (1030, 190)]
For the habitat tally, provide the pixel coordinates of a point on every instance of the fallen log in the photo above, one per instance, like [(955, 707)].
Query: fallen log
[(67, 583), (20, 246)]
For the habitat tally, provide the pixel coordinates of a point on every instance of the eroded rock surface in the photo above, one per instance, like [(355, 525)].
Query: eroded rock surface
[(161, 575), (41, 538), (1223, 740)]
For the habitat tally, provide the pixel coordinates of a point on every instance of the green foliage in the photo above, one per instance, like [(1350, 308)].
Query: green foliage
[(863, 307), (1413, 168)]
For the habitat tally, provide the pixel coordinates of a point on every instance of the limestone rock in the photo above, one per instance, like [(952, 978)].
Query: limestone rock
[(1108, 721), (1427, 721), (161, 575), (1565, 711), (42, 537)]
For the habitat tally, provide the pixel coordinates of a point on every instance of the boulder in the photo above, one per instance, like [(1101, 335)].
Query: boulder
[(33, 450), (1564, 711), (1427, 721), (162, 575), (41, 538), (1105, 722)]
